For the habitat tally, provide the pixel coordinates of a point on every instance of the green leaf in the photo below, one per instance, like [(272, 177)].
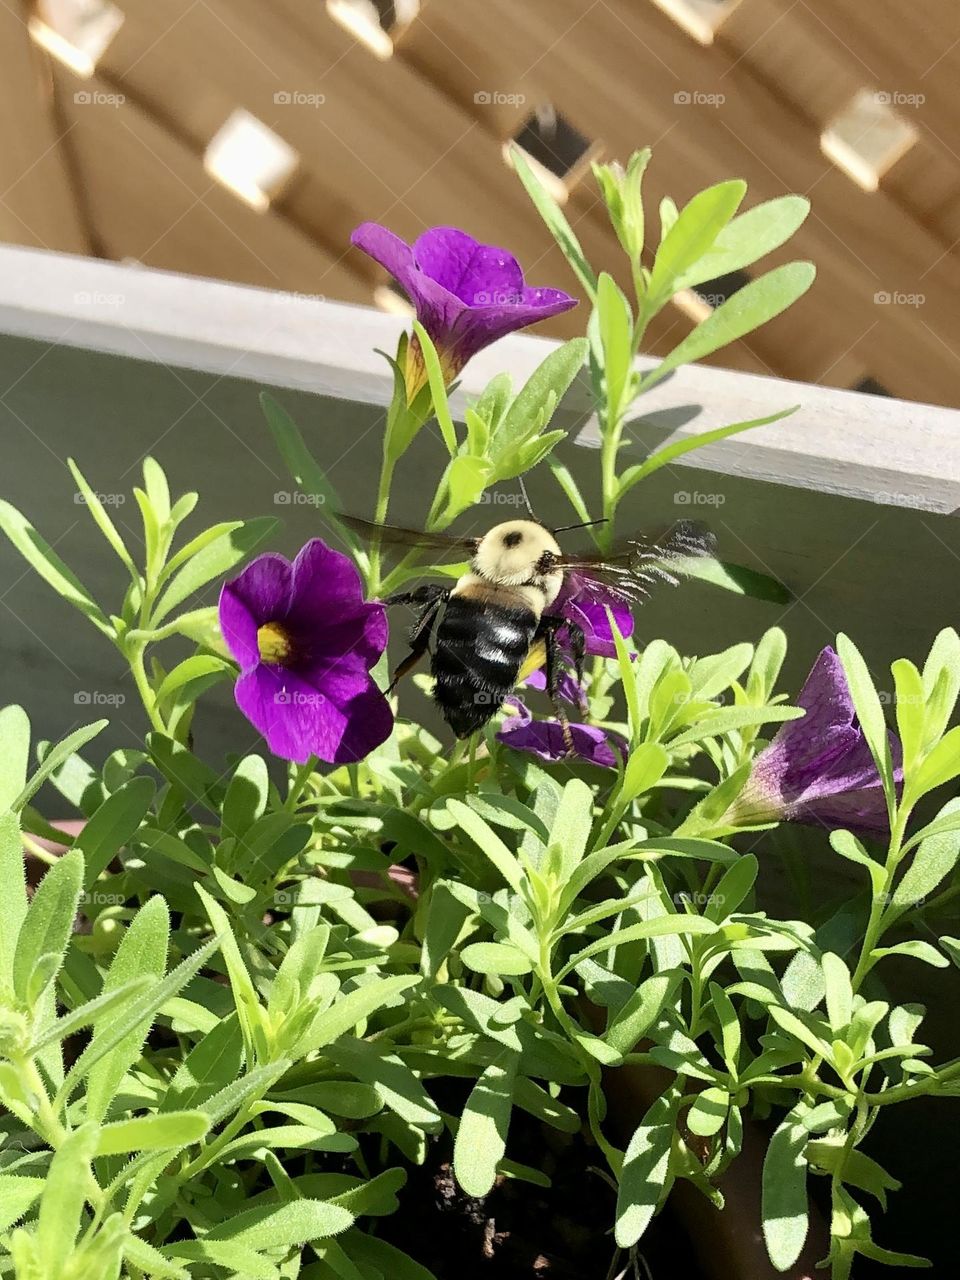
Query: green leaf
[(467, 477), (55, 757), (90, 1011), (643, 1178), (309, 476), (692, 235), (113, 824), (709, 1112), (747, 238), (142, 953), (488, 842), (839, 992), (215, 559), (917, 949), (249, 1009), (99, 513), (644, 769), (201, 667), (139, 1010), (382, 1258), (659, 927), (396, 1083), (13, 900), (48, 923), (748, 309), (932, 862), (737, 578), (438, 390), (152, 1133), (67, 1186), (784, 1192), (356, 1006), (734, 886), (158, 491), (17, 1194), (482, 1135), (663, 457), (940, 766), (641, 1011), (41, 557), (287, 1224), (14, 754), (869, 710), (495, 957), (615, 327), (549, 381), (910, 708), (557, 224)]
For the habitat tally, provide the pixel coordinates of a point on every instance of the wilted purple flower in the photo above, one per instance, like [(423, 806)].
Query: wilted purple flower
[(819, 768), (466, 294), (568, 687), (305, 640), (545, 738), (585, 601)]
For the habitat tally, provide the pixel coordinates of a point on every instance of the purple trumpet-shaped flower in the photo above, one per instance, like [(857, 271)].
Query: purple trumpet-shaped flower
[(585, 602), (819, 769), (306, 640), (466, 294), (545, 738)]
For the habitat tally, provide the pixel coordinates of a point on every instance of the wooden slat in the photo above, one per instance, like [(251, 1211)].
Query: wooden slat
[(805, 57), (863, 243), (152, 201), (37, 204)]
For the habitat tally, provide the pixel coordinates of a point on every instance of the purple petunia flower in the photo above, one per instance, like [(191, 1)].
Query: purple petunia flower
[(305, 640), (545, 738), (585, 602), (819, 768), (466, 294)]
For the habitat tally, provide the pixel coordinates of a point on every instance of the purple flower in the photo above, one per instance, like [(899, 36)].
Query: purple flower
[(305, 640), (569, 687), (545, 738), (466, 294), (819, 768), (584, 601)]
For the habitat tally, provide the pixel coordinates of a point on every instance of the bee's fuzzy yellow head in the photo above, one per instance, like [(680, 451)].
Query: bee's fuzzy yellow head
[(520, 552)]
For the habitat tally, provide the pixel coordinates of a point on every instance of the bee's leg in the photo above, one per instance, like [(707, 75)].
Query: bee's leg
[(432, 598), (429, 593), (553, 668), (578, 649)]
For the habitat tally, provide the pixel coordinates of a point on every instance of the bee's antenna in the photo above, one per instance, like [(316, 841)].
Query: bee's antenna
[(585, 524), (526, 500)]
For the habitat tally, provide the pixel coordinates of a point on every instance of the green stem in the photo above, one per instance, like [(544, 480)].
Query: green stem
[(298, 782), (878, 905), (134, 654)]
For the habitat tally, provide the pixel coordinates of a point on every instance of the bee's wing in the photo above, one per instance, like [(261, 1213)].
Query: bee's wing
[(394, 536), (639, 564)]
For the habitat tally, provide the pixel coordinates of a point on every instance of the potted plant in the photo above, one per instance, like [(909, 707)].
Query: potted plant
[(528, 987)]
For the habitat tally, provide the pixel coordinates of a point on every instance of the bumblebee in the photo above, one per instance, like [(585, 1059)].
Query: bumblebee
[(495, 624)]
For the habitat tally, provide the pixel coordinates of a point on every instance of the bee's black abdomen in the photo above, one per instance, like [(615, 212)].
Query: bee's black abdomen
[(479, 651)]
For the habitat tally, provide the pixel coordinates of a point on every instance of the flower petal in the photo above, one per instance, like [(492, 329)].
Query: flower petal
[(585, 601), (545, 739), (479, 326), (299, 720), (260, 594), (328, 616), (437, 308), (476, 273)]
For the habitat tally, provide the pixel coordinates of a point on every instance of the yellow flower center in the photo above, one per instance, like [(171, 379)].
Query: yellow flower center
[(273, 642)]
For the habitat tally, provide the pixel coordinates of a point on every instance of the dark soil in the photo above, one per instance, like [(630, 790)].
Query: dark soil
[(525, 1232)]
